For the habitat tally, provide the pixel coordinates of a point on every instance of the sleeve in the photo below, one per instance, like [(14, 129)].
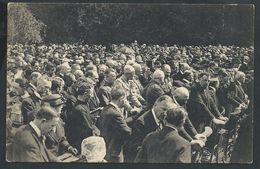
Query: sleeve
[(26, 108), (31, 154), (190, 128), (103, 97), (120, 126), (141, 156), (184, 134), (184, 155), (203, 107), (86, 121)]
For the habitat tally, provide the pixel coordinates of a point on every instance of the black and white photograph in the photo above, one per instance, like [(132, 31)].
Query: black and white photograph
[(130, 83)]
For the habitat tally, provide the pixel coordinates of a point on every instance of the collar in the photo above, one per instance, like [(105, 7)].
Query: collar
[(185, 80), (171, 126), (113, 104), (157, 121), (238, 82), (35, 128), (212, 88)]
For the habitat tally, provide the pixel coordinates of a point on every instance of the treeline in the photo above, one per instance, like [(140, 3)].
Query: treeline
[(146, 23)]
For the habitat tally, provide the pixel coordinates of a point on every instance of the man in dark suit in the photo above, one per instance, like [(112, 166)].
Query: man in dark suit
[(28, 143), (113, 126), (148, 122), (199, 104), (166, 145), (81, 124), (104, 92), (154, 90)]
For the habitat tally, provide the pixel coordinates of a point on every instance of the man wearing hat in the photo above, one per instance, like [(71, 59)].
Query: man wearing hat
[(56, 140)]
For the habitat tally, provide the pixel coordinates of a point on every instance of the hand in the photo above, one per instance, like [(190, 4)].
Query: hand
[(197, 144), (200, 137), (217, 121), (72, 150), (223, 118)]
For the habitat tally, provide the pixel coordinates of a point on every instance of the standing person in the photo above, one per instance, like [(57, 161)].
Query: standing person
[(113, 126), (166, 145), (28, 144), (81, 124)]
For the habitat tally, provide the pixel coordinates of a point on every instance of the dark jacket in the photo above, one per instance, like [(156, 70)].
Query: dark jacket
[(153, 91), (115, 132), (104, 95), (198, 107), (164, 146), (56, 141), (28, 106), (28, 147), (141, 127), (81, 124)]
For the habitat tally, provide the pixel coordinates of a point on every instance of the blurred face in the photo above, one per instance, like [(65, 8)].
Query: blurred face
[(204, 81), (182, 101), (89, 92), (167, 71), (130, 76), (48, 125), (122, 101), (111, 77), (96, 78), (44, 90), (59, 108), (224, 79), (161, 108)]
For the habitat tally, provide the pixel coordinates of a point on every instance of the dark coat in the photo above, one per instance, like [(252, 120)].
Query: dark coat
[(141, 127), (198, 107), (153, 92), (28, 147), (164, 146), (188, 131), (115, 132), (104, 95), (81, 125), (56, 141), (28, 106)]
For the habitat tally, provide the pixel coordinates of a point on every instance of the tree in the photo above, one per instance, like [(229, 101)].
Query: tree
[(22, 26)]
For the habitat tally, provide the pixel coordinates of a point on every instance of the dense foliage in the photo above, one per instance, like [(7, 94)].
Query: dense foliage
[(147, 23)]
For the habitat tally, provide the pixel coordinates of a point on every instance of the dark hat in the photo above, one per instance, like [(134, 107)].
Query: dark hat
[(53, 100)]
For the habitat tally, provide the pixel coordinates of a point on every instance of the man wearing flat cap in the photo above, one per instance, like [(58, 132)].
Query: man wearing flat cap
[(56, 140)]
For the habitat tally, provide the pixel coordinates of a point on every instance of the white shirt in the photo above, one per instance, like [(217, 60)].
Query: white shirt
[(157, 121), (36, 129)]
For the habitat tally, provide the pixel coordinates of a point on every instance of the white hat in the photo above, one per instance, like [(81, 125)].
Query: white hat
[(93, 148)]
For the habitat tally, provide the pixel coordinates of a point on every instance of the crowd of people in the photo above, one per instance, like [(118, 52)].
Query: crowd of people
[(123, 103)]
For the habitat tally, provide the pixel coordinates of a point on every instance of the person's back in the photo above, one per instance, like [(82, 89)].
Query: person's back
[(166, 146)]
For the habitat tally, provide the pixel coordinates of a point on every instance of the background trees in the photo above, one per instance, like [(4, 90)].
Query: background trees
[(123, 23)]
